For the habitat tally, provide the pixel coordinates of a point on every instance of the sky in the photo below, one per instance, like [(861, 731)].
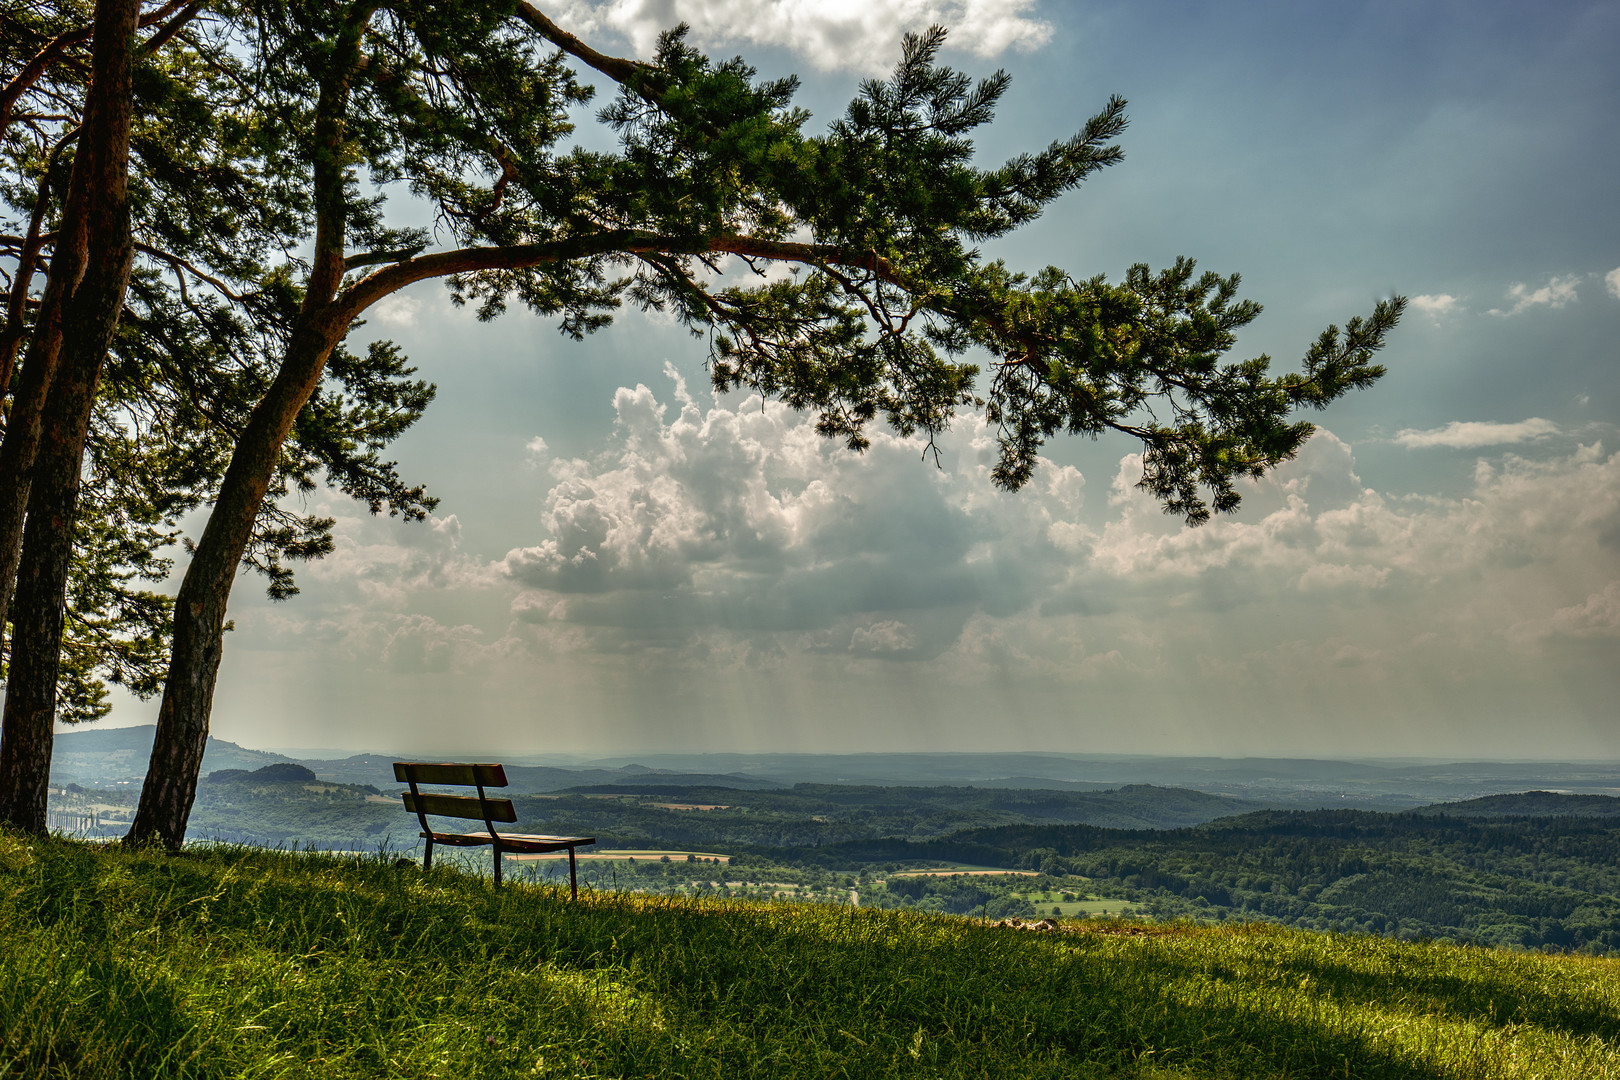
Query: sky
[(623, 562)]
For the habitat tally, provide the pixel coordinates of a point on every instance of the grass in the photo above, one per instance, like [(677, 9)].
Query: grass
[(249, 963)]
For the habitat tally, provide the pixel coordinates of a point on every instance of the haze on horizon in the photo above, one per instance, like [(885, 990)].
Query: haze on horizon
[(623, 563)]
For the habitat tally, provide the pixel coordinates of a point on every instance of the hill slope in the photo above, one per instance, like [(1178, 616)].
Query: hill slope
[(108, 756), (1528, 804), (231, 963)]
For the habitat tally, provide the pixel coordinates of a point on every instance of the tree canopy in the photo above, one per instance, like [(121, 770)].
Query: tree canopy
[(260, 127)]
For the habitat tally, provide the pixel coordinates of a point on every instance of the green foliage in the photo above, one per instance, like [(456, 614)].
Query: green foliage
[(1528, 882), (888, 293), (232, 963), (207, 315)]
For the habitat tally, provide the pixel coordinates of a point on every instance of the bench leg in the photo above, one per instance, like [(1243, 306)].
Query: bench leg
[(573, 875), (427, 857), (498, 860)]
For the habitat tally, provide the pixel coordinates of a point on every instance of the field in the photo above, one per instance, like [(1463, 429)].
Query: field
[(246, 963)]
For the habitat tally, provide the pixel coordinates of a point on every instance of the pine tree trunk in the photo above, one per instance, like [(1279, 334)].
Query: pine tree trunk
[(30, 711), (68, 258), (199, 608), (88, 319)]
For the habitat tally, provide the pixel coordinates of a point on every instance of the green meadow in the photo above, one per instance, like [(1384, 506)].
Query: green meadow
[(231, 962)]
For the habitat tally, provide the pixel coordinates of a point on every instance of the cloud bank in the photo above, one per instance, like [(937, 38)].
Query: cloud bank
[(859, 35), (718, 562)]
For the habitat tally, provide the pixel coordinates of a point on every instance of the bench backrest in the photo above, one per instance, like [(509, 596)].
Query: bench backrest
[(453, 774)]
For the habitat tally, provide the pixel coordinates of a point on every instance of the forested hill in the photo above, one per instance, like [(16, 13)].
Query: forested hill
[(947, 808), (1529, 804), (1539, 881), (1025, 845)]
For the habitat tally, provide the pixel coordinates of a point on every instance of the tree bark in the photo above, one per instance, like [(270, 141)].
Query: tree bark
[(89, 303), (68, 259)]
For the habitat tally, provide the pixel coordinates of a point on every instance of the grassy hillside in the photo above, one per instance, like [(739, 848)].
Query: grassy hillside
[(239, 963)]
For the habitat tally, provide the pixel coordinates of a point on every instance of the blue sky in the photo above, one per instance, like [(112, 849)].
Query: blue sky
[(622, 561)]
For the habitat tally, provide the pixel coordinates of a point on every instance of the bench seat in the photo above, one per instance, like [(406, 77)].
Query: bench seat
[(518, 843)]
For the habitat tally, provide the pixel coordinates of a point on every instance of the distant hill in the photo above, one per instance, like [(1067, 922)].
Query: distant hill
[(104, 757), (1529, 804), (282, 772), (101, 757), (378, 769)]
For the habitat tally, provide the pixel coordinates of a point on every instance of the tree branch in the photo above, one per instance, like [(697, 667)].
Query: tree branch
[(623, 71), (172, 27), (373, 287), (180, 264), (54, 48)]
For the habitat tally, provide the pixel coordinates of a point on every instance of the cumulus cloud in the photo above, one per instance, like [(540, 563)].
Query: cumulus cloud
[(703, 524), (1436, 306), (387, 562), (888, 636), (536, 452), (1557, 293), (860, 35), (746, 518), (1472, 434), (1612, 279), (1598, 616)]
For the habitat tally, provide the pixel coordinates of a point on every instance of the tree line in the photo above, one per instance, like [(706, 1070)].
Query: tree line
[(192, 232)]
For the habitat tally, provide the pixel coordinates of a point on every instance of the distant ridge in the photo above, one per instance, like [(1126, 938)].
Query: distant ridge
[(104, 756), (1528, 804)]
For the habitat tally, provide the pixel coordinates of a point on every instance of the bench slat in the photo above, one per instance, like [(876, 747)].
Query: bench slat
[(427, 772), (519, 843), (461, 806)]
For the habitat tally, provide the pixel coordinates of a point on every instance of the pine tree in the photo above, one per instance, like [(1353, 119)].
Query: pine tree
[(882, 216)]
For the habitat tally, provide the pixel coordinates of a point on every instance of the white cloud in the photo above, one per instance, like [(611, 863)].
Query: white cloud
[(747, 519), (1612, 279), (888, 636), (861, 35), (536, 452), (397, 310), (387, 562), (1558, 292), (1598, 616), (1437, 306), (1472, 434)]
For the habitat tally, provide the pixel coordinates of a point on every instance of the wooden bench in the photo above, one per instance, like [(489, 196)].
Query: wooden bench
[(479, 808)]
